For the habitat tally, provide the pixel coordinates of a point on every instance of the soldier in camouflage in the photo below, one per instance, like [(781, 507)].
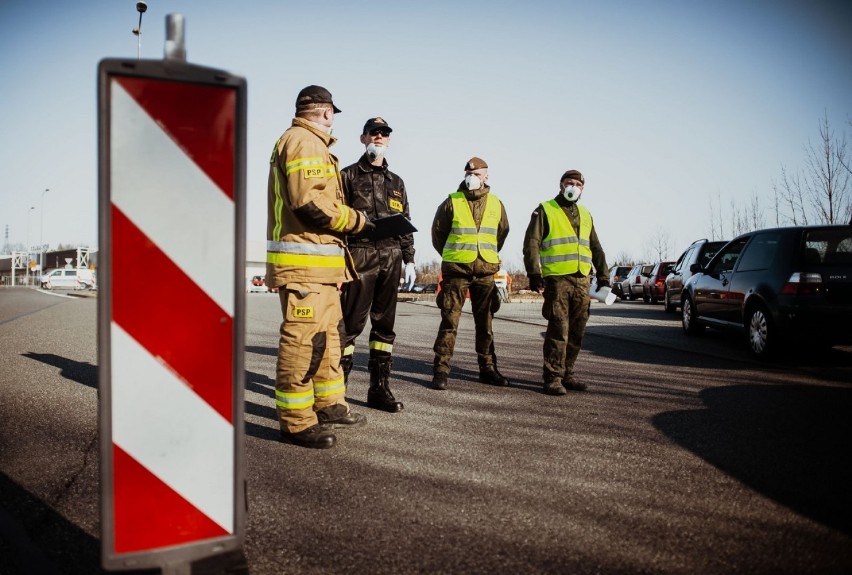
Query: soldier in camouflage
[(560, 249)]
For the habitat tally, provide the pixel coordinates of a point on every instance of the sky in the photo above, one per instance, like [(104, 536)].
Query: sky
[(666, 107)]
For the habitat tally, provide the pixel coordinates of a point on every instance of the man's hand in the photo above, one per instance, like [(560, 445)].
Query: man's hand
[(602, 283), (410, 276), (536, 283)]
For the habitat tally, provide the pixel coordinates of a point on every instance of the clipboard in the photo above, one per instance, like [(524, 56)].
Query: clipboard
[(390, 226)]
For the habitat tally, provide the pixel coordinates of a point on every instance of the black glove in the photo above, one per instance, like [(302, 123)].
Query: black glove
[(368, 225), (603, 283), (536, 282)]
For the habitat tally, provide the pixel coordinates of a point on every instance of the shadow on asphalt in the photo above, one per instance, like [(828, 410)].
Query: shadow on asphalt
[(791, 443), (81, 372), (36, 539)]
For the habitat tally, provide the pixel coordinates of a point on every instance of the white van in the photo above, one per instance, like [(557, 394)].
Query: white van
[(68, 278)]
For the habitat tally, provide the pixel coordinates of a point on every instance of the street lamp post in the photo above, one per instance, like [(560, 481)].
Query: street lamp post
[(41, 234), (29, 211)]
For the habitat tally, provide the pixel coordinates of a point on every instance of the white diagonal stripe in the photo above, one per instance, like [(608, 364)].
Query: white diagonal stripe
[(175, 204), (171, 431)]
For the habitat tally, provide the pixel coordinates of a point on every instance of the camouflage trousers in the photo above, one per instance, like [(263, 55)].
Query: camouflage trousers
[(566, 309), (484, 302)]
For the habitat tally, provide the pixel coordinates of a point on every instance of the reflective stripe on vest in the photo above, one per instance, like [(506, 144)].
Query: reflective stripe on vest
[(305, 255), (562, 251), (465, 241)]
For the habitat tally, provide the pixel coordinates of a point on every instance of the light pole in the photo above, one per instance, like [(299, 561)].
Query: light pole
[(29, 211), (41, 234)]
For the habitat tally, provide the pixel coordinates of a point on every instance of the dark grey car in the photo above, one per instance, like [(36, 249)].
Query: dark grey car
[(779, 285), (698, 252)]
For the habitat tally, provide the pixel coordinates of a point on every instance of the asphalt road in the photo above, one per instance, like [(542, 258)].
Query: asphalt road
[(685, 456)]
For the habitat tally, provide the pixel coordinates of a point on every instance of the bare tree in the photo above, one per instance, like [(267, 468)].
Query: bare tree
[(659, 246), (623, 258), (823, 193), (717, 229)]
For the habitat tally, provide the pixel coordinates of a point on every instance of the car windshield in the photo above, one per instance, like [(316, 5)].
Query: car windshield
[(829, 246)]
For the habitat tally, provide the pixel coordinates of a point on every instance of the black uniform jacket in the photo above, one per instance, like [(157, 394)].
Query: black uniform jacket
[(377, 192)]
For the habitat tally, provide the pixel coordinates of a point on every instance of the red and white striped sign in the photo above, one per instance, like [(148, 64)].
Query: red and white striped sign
[(171, 332)]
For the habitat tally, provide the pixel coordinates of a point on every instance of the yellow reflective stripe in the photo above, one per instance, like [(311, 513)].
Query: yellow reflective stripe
[(344, 219), (294, 399), (302, 260), (349, 350), (326, 388), (302, 163), (381, 346), (279, 201)]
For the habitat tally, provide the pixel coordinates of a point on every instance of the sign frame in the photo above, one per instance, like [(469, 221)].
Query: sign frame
[(168, 557)]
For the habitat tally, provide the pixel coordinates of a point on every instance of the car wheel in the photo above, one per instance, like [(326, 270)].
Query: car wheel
[(669, 306), (689, 318), (761, 332)]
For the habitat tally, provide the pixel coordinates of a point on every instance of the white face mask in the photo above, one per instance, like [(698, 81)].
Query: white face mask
[(472, 182), (376, 151), (572, 193)]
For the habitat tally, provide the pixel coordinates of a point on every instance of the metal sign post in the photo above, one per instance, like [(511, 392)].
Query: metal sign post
[(172, 143)]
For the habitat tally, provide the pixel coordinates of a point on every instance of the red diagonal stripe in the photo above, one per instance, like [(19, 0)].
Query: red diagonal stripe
[(148, 514), (170, 316), (200, 119)]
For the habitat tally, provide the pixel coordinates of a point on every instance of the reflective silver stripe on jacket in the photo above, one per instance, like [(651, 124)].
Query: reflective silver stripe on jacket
[(565, 258), (470, 247), (301, 248), (464, 231), (492, 231)]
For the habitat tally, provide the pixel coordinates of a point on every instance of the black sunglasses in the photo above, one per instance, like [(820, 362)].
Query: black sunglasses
[(384, 133)]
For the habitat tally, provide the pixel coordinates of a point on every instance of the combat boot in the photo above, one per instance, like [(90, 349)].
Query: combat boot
[(338, 416), (491, 376), (315, 437), (553, 386), (379, 395), (439, 380), (572, 383), (346, 366)]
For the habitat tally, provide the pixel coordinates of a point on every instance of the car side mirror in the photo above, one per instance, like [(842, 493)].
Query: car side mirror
[(695, 268)]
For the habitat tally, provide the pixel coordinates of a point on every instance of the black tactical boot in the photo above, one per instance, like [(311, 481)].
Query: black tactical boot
[(491, 376), (346, 366), (315, 437), (379, 395), (339, 417), (572, 383)]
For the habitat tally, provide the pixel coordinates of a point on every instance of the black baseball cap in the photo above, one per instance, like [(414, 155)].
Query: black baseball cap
[(315, 95), (377, 123)]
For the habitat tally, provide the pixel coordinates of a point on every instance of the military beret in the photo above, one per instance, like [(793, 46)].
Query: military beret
[(475, 164)]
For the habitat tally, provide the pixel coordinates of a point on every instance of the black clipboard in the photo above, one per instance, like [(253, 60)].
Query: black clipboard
[(390, 226)]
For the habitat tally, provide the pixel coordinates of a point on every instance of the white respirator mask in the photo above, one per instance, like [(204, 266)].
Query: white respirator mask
[(572, 193), (376, 151), (472, 182)]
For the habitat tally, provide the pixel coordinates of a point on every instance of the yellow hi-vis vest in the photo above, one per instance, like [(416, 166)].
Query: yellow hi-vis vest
[(465, 241), (562, 251)]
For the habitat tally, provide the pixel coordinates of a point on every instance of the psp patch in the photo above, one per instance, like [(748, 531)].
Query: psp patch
[(303, 312), (314, 173), (395, 205)]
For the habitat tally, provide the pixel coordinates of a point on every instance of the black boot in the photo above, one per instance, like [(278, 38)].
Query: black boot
[(346, 366), (379, 395)]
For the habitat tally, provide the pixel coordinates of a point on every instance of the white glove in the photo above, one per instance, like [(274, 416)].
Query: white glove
[(410, 276)]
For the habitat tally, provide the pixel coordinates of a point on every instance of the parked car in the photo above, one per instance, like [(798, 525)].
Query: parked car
[(68, 278), (256, 285), (777, 286), (616, 275), (654, 288), (632, 285), (700, 252)]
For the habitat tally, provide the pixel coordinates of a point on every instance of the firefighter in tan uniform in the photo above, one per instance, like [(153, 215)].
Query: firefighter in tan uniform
[(560, 249), (468, 231), (307, 260)]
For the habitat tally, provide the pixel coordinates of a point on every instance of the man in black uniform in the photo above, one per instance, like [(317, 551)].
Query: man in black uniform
[(369, 186)]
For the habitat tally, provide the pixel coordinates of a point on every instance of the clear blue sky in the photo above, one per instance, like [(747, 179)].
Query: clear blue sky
[(665, 106)]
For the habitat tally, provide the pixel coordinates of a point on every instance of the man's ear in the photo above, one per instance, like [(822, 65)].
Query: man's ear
[(363, 139)]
